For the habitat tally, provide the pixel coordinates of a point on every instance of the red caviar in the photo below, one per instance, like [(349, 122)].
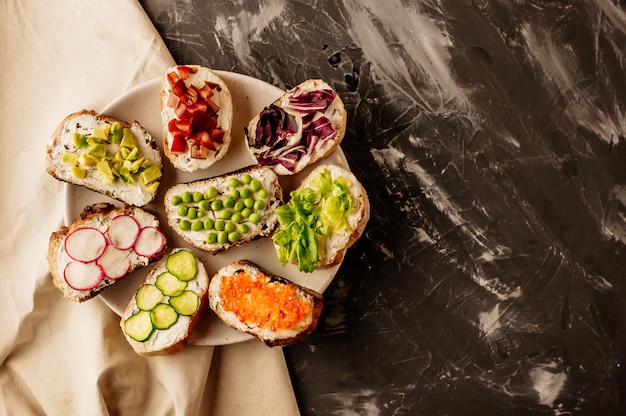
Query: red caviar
[(257, 302)]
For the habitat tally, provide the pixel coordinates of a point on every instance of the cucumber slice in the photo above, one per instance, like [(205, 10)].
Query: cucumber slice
[(139, 326), (186, 304), (147, 297), (182, 264), (163, 316), (169, 284)]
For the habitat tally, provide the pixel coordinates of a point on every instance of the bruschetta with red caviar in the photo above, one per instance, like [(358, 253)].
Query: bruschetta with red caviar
[(272, 308), (197, 116)]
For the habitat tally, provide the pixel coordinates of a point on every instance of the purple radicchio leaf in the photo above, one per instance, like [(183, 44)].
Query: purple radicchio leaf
[(310, 101)]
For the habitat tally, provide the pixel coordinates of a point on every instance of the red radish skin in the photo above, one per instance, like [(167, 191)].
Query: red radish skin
[(115, 263), (149, 242), (85, 244), (123, 231), (83, 276)]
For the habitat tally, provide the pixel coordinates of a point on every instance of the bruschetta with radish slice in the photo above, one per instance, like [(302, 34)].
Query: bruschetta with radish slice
[(101, 247), (197, 116)]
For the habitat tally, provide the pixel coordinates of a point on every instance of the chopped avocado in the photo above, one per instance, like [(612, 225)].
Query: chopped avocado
[(136, 165), (150, 174), (153, 186), (132, 155), (116, 133), (79, 140), (99, 135), (86, 160), (128, 140), (105, 170), (125, 175), (71, 158), (78, 172), (98, 151)]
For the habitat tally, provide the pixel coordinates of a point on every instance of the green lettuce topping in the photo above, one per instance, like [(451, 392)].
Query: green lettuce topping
[(311, 216)]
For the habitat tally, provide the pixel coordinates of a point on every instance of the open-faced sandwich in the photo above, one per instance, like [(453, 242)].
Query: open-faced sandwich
[(301, 127), (197, 115), (325, 215), (225, 211), (159, 318), (106, 155), (272, 308), (101, 247)]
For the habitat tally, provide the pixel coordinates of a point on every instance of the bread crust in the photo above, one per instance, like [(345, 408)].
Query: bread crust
[(269, 338), (184, 162), (69, 124), (268, 223), (98, 215), (338, 120), (173, 344)]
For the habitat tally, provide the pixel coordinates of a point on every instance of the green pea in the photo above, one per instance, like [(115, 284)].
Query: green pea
[(200, 213), (248, 202), (222, 237), (259, 205), (219, 225), (197, 196), (233, 182), (255, 185), (228, 202), (224, 214), (182, 210), (204, 205), (176, 200), (211, 192), (184, 225), (234, 236), (244, 193), (236, 217), (246, 212), (246, 178), (243, 228), (255, 218), (229, 227), (187, 197), (197, 226), (263, 193), (209, 224), (192, 213), (239, 206), (216, 205), (211, 238), (234, 194)]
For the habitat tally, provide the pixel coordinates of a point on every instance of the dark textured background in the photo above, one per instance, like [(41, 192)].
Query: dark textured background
[(491, 138)]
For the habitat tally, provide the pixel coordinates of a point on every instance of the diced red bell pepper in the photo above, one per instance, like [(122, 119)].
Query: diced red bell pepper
[(185, 71), (182, 127), (179, 144), (212, 107), (206, 91), (173, 78), (198, 151), (199, 107), (191, 95), (181, 110), (217, 135), (179, 88)]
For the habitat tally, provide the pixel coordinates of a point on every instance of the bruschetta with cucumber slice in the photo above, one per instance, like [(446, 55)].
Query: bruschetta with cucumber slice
[(167, 305)]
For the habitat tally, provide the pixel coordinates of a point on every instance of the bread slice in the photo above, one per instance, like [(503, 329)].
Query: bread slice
[(174, 338), (331, 247), (272, 308), (99, 217), (199, 220), (130, 176), (301, 127), (173, 108)]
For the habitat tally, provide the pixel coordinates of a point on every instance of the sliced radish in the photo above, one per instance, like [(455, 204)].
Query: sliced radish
[(83, 276), (85, 244), (115, 263), (123, 231), (149, 242)]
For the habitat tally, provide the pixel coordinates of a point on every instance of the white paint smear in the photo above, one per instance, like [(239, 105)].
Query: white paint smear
[(547, 383)]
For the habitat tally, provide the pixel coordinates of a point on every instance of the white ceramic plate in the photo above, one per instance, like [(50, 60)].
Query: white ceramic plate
[(250, 96)]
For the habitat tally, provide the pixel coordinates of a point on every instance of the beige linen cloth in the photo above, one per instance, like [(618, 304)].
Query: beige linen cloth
[(58, 357)]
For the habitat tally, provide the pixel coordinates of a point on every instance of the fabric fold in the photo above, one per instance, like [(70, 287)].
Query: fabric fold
[(58, 357)]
